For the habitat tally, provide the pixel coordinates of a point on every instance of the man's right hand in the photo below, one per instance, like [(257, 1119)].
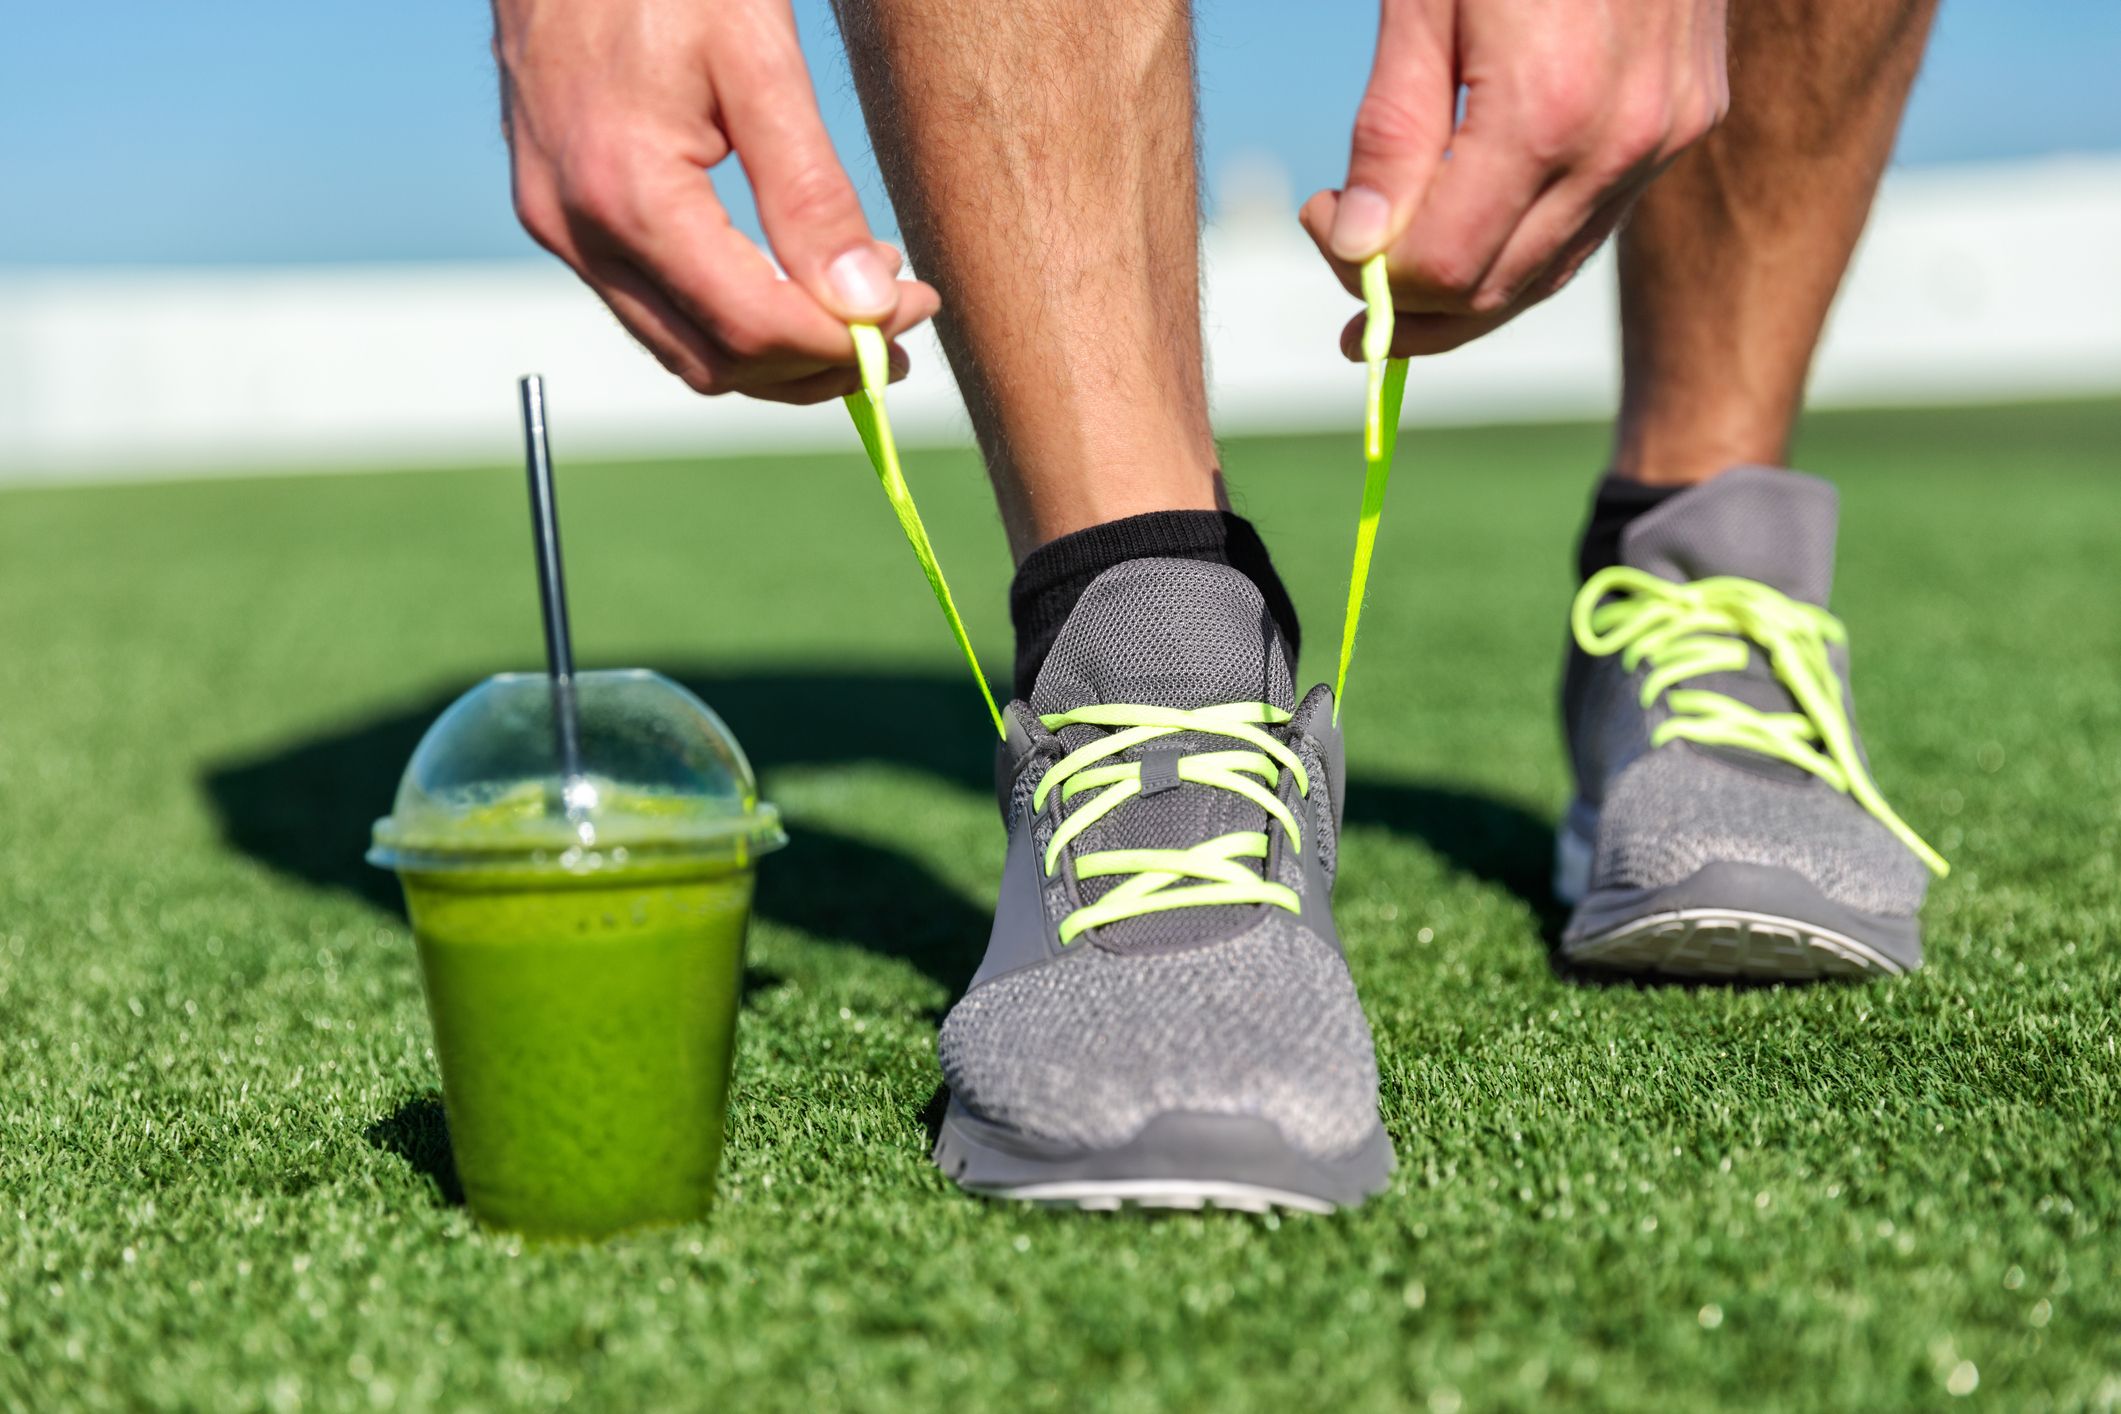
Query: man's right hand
[(614, 109)]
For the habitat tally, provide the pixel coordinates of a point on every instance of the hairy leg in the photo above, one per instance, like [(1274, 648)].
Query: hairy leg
[(1042, 162), (1731, 260)]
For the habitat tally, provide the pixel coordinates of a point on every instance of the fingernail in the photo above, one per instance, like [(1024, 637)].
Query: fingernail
[(1360, 224), (861, 281)]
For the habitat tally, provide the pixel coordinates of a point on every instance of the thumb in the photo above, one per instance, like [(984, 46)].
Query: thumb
[(1401, 129), (806, 204)]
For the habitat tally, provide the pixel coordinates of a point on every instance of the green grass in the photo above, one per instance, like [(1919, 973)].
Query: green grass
[(222, 1179)]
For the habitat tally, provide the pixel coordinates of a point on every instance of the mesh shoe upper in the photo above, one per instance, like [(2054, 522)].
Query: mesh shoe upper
[(1219, 1009), (1088, 1049), (1664, 813), (1677, 809), (1164, 633)]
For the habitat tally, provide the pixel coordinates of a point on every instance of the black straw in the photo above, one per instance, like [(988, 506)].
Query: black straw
[(552, 581)]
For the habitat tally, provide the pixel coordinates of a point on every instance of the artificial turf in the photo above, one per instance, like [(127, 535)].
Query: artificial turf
[(224, 1183)]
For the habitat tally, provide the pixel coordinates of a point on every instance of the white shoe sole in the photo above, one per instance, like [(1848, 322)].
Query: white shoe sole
[(1179, 1194), (1730, 944), (1719, 939), (1184, 1161)]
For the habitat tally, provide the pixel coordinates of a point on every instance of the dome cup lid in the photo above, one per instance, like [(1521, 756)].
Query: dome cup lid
[(663, 784)]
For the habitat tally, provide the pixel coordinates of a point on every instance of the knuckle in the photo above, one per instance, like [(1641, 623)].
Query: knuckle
[(745, 336), (1697, 115), (1556, 122), (1550, 143), (1707, 100), (1492, 299), (705, 375), (540, 216), (599, 193), (1640, 140), (1387, 124), (816, 194), (1449, 273), (1638, 132), (599, 182), (1687, 130)]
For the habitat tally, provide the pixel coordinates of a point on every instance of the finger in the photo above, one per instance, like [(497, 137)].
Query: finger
[(641, 309), (640, 204), (917, 304), (1316, 218), (823, 387), (731, 289), (1401, 129), (677, 343), (1563, 229), (659, 218), (771, 328), (695, 357), (812, 217), (1419, 335), (1473, 207)]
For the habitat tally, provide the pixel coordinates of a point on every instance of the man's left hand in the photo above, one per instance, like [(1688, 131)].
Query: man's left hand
[(1571, 108)]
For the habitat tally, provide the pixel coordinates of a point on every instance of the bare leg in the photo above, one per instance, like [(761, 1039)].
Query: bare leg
[(1042, 162), (1730, 262)]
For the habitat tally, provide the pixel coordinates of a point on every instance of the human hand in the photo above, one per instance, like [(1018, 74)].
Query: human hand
[(614, 109), (1570, 110)]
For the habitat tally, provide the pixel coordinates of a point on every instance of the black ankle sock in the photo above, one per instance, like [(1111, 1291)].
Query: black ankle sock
[(1054, 576), (1614, 507)]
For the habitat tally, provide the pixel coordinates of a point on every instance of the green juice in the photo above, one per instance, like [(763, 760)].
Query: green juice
[(581, 938), (584, 1027)]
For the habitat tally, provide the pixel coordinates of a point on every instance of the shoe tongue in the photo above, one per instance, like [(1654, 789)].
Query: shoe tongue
[(1166, 633), (1754, 522)]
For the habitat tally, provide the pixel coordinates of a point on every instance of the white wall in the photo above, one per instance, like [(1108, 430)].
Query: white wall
[(1973, 283)]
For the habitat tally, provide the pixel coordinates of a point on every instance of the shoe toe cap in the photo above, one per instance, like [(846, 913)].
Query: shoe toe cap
[(1089, 1048)]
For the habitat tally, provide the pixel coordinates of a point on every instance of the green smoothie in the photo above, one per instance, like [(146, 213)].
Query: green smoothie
[(584, 1029), (581, 937)]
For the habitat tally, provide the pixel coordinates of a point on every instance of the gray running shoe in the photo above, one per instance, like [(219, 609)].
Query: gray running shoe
[(1163, 1016), (1725, 823)]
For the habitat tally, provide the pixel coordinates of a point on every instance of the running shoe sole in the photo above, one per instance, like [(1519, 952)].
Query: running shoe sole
[(1185, 1161), (1727, 921)]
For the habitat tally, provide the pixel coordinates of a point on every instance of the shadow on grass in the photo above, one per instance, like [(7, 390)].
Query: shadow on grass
[(417, 1133), (1495, 840), (305, 810)]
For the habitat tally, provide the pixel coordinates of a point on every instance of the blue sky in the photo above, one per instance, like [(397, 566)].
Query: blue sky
[(299, 130)]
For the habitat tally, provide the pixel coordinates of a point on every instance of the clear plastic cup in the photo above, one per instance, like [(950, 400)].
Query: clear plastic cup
[(581, 942)]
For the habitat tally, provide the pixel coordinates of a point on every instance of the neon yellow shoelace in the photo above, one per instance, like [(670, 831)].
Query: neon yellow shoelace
[(1153, 875), (873, 356), (1153, 872), (1380, 439), (1709, 626)]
